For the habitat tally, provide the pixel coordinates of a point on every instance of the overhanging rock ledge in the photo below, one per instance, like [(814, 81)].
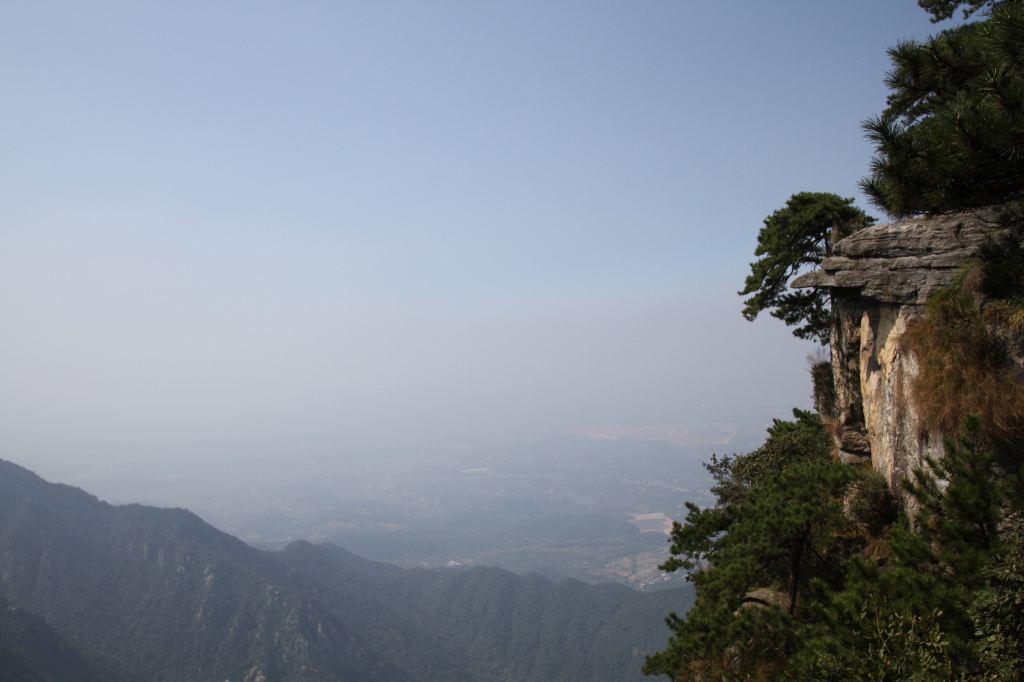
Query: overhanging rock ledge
[(879, 279)]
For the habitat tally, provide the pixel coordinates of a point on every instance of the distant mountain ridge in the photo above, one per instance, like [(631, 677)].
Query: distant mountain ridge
[(165, 596)]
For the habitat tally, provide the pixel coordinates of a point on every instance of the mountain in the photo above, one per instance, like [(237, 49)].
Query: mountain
[(165, 596), (505, 627), (31, 651)]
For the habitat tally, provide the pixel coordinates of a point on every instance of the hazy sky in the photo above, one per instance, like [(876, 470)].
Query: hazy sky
[(282, 228)]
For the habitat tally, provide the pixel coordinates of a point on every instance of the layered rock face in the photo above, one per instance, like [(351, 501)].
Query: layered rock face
[(879, 279)]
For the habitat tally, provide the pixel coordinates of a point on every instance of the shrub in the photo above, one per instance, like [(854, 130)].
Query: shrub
[(824, 389), (871, 504)]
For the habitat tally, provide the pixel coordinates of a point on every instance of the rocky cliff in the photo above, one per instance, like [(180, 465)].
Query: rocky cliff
[(879, 279)]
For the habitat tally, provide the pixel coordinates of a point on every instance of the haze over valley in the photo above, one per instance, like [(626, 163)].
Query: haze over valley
[(595, 509)]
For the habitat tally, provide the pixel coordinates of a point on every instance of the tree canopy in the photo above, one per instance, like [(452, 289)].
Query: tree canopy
[(952, 135), (946, 603), (754, 555), (944, 9), (803, 570), (792, 239)]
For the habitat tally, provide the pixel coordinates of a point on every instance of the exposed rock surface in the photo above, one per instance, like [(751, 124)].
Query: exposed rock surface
[(879, 279), (903, 262), (845, 339)]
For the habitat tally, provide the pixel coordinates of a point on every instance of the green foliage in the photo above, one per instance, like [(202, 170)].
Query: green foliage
[(1001, 266), (885, 625), (944, 9), (792, 239), (786, 590), (963, 497), (952, 135), (753, 555), (789, 442), (871, 504), (998, 608), (824, 393), (1002, 257), (947, 606)]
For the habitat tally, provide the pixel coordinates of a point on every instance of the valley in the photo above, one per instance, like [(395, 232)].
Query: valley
[(592, 509)]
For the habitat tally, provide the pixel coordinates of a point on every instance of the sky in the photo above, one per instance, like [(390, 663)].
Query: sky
[(312, 228)]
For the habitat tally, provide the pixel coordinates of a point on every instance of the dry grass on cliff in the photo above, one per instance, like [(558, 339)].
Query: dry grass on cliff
[(1008, 314), (965, 367)]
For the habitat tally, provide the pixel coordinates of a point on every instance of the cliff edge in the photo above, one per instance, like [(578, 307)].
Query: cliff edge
[(879, 279)]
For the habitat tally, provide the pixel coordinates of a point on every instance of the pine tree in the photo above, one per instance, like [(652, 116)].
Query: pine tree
[(945, 605), (952, 135), (753, 555), (795, 238), (944, 9)]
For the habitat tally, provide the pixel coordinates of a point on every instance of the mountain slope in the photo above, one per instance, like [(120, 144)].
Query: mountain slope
[(31, 651), (507, 627), (168, 597), (165, 594)]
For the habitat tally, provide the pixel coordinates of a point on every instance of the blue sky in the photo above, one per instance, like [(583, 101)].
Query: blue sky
[(228, 227)]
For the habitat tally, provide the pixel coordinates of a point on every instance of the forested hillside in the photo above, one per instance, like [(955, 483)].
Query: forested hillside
[(31, 651), (504, 627), (164, 596)]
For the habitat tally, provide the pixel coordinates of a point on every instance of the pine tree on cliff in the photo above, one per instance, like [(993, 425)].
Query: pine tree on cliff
[(952, 135), (755, 555), (951, 138), (792, 240), (948, 606)]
